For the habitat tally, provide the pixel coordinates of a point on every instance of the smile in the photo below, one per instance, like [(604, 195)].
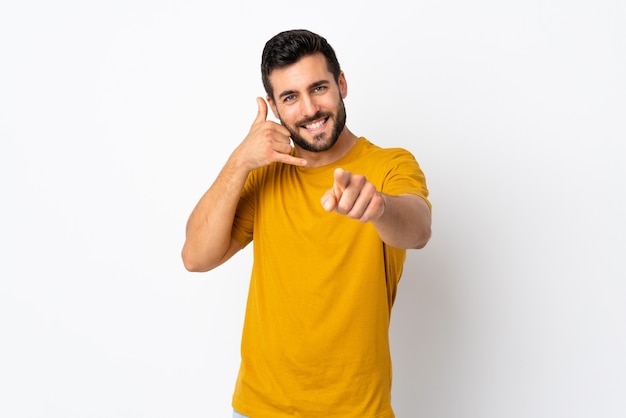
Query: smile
[(315, 125)]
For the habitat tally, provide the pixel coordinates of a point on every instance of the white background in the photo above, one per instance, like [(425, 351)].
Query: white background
[(116, 116)]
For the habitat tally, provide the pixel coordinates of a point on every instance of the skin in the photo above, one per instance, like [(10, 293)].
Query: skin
[(307, 101)]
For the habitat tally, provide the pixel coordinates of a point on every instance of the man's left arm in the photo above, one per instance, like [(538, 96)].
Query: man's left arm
[(402, 221)]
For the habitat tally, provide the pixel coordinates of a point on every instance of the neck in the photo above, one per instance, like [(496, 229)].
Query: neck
[(344, 144)]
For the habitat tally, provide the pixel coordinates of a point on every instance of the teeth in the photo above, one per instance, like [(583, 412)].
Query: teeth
[(315, 125)]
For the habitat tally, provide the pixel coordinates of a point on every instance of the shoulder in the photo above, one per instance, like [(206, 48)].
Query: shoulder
[(371, 148), (269, 174), (386, 157)]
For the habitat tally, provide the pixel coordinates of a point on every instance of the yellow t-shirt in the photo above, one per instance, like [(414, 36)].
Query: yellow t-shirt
[(315, 339)]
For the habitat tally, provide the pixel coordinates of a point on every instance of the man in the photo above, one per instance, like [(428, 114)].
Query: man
[(331, 217)]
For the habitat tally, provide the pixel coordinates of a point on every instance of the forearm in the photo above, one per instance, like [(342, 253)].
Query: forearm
[(208, 231), (208, 240), (405, 221)]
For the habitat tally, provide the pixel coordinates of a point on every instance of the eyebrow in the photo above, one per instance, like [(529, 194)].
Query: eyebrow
[(311, 86)]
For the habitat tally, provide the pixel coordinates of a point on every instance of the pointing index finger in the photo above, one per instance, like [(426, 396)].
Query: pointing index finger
[(342, 178)]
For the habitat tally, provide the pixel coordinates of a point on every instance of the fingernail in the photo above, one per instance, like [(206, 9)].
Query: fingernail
[(326, 204)]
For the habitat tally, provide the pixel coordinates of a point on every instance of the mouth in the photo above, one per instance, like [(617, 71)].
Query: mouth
[(315, 125)]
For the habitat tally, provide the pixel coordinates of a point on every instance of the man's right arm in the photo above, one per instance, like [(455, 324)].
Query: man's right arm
[(208, 241)]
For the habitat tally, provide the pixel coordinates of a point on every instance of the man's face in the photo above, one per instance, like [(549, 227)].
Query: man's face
[(309, 102)]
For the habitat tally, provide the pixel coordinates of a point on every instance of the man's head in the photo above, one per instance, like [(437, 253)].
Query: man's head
[(288, 47), (305, 88)]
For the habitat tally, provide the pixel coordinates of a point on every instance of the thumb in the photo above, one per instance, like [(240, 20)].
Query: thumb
[(329, 200), (261, 115)]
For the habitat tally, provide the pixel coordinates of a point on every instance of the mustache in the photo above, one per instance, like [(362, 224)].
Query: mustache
[(317, 116)]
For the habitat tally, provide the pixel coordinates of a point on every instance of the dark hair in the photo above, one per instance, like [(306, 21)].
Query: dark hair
[(288, 47)]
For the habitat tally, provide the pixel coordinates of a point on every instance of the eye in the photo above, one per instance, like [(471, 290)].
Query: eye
[(289, 98), (319, 89)]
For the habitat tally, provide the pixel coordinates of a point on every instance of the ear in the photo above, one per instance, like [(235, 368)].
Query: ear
[(272, 106), (343, 85)]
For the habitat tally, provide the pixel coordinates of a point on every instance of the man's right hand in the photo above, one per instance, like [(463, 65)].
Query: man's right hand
[(266, 142)]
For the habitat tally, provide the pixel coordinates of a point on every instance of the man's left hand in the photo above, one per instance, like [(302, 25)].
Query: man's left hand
[(352, 195)]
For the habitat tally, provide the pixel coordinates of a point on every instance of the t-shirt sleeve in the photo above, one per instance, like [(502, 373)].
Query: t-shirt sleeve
[(243, 224), (404, 176)]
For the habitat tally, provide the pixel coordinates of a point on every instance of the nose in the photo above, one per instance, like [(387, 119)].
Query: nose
[(308, 106)]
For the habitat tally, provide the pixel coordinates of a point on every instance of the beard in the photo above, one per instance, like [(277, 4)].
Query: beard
[(321, 142)]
